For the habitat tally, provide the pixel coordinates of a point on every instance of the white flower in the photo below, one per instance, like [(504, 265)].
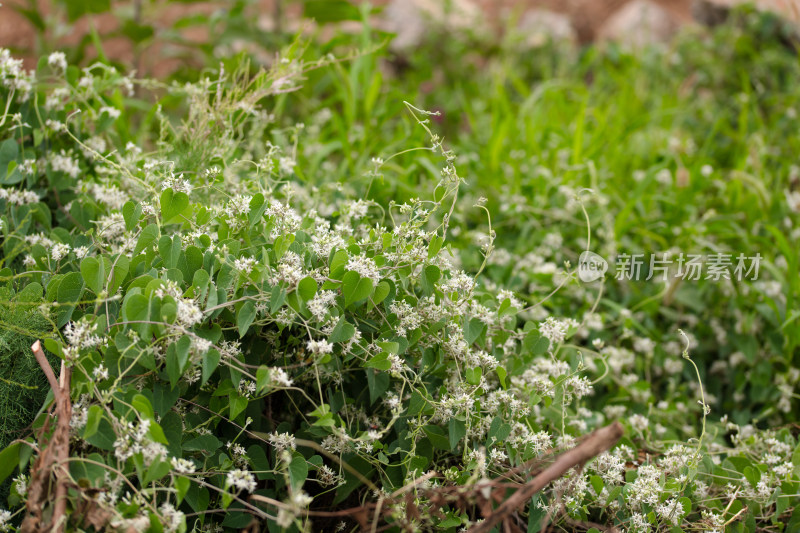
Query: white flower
[(100, 373), (364, 267), (182, 466), (81, 334), (153, 451), (282, 441), (328, 477), (172, 519), (239, 205), (286, 165), (189, 313), (554, 330), (5, 518), (639, 422), (301, 499), (784, 469), (319, 347), (21, 485), (244, 264), (671, 511), (57, 61), (241, 480), (280, 378), (459, 281), (62, 162), (247, 388), (59, 251), (112, 112), (321, 303)]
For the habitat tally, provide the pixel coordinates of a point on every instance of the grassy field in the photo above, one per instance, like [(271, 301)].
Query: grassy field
[(344, 290)]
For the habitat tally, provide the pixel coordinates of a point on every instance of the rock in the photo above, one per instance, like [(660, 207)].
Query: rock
[(411, 20), (788, 9), (639, 23), (539, 26)]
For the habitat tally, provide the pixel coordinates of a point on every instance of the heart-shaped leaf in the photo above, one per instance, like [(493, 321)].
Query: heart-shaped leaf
[(93, 272), (355, 288), (172, 205)]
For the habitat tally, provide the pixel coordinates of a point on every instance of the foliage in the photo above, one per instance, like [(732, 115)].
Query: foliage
[(296, 296)]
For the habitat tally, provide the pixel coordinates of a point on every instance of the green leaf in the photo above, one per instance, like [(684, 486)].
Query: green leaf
[(204, 443), (281, 244), (157, 433), (93, 272), (137, 33), (416, 404), (245, 317), (237, 405), (170, 250), (325, 11), (378, 384), (68, 294), (342, 332), (147, 237), (136, 307), (597, 484), (118, 270), (143, 407), (337, 264), (182, 485), (430, 276), (210, 362), (277, 298), (381, 292), (257, 207), (355, 288), (434, 246), (686, 503), (298, 471), (457, 430), (9, 459), (262, 379), (104, 437), (379, 361), (473, 329), (9, 151), (498, 431), (307, 288), (437, 436), (535, 344), (76, 10), (473, 375), (178, 359), (501, 375), (131, 212), (173, 204), (172, 425), (92, 421)]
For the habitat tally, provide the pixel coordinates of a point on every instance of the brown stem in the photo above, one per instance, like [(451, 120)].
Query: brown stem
[(596, 443), (38, 353), (53, 459)]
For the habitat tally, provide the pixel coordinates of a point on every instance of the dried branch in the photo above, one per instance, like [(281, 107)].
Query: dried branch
[(595, 444), (38, 353), (53, 460)]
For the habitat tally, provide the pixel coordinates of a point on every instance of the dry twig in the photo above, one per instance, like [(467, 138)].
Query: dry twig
[(53, 459), (595, 444)]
